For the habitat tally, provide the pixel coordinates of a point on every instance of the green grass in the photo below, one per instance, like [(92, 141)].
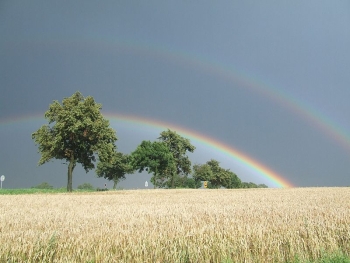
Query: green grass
[(20, 191), (337, 257)]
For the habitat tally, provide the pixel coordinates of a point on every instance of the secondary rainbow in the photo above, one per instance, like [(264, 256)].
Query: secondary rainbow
[(237, 155), (312, 116)]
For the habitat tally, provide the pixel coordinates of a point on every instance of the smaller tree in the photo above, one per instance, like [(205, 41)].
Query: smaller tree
[(234, 181), (85, 186), (153, 157), (216, 175), (116, 169), (220, 177), (43, 185), (178, 147), (249, 185), (187, 182), (202, 172)]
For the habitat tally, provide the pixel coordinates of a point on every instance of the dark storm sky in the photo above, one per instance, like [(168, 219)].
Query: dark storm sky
[(269, 79)]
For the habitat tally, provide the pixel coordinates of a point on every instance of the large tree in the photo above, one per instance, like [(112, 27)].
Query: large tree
[(76, 132), (178, 146), (155, 158), (116, 169)]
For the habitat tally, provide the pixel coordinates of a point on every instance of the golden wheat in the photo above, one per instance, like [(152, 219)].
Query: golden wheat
[(261, 225)]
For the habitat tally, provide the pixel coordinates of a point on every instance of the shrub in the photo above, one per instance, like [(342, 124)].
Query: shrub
[(85, 186), (43, 185)]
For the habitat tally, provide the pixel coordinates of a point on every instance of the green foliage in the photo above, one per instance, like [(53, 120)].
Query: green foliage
[(86, 186), (253, 185), (326, 257), (215, 175), (234, 181), (20, 191), (116, 169), (43, 185), (334, 257), (187, 182), (76, 132), (166, 159), (178, 146), (155, 158), (249, 185), (202, 172)]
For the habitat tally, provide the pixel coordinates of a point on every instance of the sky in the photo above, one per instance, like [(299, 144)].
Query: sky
[(257, 85)]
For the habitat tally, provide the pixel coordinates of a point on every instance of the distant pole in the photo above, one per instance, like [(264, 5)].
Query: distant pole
[(2, 178)]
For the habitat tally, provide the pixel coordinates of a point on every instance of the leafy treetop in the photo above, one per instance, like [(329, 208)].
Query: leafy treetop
[(116, 169), (154, 157), (216, 175), (76, 132), (178, 146)]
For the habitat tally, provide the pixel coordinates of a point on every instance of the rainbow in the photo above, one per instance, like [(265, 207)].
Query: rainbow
[(309, 114), (312, 116), (253, 165), (256, 168)]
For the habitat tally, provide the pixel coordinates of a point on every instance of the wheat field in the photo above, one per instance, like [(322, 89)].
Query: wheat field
[(241, 225)]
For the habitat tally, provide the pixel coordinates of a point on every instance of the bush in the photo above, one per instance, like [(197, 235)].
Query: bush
[(43, 185), (85, 186)]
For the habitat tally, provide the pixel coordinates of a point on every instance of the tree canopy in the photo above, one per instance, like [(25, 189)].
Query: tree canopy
[(76, 132), (156, 158), (166, 159), (216, 175), (116, 169), (178, 147)]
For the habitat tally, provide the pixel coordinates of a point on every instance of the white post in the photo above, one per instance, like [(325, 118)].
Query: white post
[(2, 178)]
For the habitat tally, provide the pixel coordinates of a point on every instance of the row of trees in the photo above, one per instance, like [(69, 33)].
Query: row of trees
[(78, 133)]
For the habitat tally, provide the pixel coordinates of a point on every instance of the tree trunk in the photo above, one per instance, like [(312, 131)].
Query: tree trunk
[(172, 180), (115, 184), (155, 176), (70, 174)]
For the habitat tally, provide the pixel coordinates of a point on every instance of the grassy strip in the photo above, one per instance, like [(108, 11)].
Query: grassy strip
[(20, 191), (338, 257), (47, 252), (335, 257)]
